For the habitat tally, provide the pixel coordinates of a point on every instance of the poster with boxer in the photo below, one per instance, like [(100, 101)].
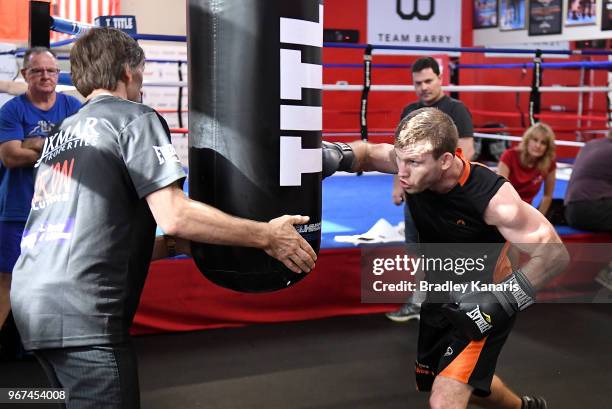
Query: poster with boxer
[(544, 17), (606, 15), (581, 13), (512, 15), (485, 13)]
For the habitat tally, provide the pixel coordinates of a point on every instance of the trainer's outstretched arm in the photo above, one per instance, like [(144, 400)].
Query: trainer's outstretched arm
[(180, 216), (358, 156)]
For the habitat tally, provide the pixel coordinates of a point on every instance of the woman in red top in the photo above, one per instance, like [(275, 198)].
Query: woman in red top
[(531, 164)]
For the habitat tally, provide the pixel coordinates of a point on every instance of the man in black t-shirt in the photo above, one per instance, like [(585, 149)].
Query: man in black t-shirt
[(105, 178), (456, 204), (427, 81)]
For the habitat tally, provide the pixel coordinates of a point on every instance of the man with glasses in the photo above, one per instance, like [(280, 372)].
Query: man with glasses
[(24, 123)]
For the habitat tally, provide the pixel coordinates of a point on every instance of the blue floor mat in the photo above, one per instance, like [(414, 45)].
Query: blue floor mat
[(353, 204)]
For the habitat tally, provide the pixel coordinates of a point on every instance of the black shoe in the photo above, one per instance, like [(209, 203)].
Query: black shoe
[(533, 402), (407, 312)]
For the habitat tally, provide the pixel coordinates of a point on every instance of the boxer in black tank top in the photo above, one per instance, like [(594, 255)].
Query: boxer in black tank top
[(456, 204)]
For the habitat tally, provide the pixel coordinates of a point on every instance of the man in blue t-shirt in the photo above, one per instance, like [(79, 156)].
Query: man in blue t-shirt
[(24, 123)]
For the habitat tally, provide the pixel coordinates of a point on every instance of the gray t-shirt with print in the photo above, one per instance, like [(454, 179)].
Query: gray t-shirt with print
[(88, 241)]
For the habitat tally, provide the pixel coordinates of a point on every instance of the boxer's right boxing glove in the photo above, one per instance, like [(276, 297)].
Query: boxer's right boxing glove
[(475, 314)]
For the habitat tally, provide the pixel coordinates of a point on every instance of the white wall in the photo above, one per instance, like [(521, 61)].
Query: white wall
[(158, 16), (168, 17), (493, 36)]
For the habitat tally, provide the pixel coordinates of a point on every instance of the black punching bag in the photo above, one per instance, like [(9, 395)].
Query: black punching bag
[(255, 118)]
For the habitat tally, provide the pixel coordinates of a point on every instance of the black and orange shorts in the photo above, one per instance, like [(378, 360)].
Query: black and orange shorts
[(443, 351)]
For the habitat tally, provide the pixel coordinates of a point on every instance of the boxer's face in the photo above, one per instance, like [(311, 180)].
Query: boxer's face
[(417, 168), (427, 86)]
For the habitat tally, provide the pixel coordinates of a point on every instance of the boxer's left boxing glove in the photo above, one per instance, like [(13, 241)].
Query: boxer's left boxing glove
[(337, 156)]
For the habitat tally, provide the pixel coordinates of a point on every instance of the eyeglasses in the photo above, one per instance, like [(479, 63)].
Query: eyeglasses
[(41, 71)]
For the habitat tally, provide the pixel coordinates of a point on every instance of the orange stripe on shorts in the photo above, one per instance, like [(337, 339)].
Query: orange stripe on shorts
[(461, 368)]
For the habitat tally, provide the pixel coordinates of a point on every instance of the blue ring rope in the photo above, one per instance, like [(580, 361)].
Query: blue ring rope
[(19, 52), (603, 65), (549, 65), (468, 49), (159, 37), (338, 65), (64, 26), (72, 27), (75, 28)]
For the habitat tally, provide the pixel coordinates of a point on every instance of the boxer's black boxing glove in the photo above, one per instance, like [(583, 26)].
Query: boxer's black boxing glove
[(475, 314), (337, 156)]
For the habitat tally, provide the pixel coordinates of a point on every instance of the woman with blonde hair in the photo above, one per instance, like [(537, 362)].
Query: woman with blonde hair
[(532, 163)]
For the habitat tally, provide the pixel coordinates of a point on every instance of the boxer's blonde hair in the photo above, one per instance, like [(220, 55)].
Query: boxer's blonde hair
[(431, 125)]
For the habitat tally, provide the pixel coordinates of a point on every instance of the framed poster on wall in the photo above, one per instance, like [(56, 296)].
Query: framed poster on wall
[(581, 12), (512, 15), (544, 17), (485, 13), (606, 15)]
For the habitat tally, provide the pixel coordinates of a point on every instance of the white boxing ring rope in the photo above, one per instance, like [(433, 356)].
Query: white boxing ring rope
[(466, 88), (404, 88), (450, 88), (496, 137)]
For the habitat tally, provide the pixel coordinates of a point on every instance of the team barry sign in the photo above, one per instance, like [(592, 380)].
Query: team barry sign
[(424, 23)]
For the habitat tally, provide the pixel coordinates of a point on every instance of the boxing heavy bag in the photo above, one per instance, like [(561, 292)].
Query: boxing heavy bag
[(255, 126)]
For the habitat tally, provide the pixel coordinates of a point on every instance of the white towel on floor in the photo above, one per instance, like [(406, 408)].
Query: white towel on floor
[(381, 232)]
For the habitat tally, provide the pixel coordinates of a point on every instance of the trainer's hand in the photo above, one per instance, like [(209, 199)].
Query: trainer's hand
[(475, 314), (337, 156), (287, 246)]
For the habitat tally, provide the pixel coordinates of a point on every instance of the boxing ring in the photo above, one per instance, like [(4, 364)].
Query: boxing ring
[(178, 298)]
